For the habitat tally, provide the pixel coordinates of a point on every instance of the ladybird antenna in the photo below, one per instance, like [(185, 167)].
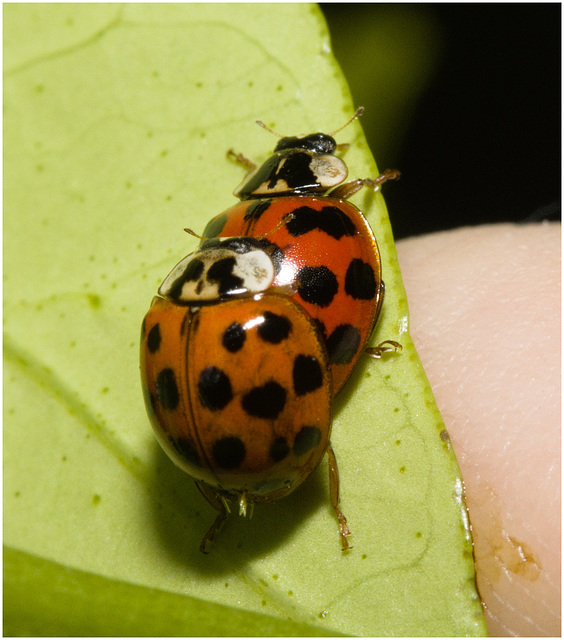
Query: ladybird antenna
[(264, 126), (356, 115), (196, 235)]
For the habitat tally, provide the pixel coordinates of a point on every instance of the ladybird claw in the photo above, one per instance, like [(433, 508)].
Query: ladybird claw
[(241, 159), (220, 504), (387, 346), (210, 535), (243, 505), (343, 530), (389, 174), (348, 189)]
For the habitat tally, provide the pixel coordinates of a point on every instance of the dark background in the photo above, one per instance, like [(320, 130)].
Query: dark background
[(482, 143)]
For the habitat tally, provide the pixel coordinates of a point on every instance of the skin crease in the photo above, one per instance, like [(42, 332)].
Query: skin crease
[(485, 319)]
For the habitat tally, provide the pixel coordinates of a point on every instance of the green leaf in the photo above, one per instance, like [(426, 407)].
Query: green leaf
[(117, 120), (39, 595)]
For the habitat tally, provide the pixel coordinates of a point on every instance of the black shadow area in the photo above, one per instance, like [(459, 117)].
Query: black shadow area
[(181, 517)]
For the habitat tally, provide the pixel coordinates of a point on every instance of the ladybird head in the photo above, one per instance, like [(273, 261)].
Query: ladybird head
[(220, 269), (321, 143)]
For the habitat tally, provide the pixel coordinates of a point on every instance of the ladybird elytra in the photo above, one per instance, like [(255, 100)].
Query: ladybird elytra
[(247, 412), (327, 249)]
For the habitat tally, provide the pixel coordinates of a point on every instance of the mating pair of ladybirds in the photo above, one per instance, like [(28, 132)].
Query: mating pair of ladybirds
[(251, 336)]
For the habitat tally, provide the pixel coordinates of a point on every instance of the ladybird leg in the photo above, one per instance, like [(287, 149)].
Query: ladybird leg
[(285, 219), (386, 346), (217, 503), (334, 493), (243, 505), (241, 159), (344, 191)]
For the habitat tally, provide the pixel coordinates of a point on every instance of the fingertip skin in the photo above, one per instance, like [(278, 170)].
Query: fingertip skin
[(485, 318)]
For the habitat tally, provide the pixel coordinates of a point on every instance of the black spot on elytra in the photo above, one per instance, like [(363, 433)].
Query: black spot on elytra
[(266, 401), (256, 209), (275, 328), (186, 450), (317, 285), (214, 388), (343, 344), (215, 226), (229, 452), (306, 439), (167, 390), (234, 337), (279, 449), (154, 338), (221, 273), (307, 374), (321, 328), (360, 282), (331, 220), (276, 254), (150, 403)]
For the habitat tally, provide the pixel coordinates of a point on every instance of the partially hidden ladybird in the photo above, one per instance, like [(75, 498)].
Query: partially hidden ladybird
[(296, 202), (236, 379)]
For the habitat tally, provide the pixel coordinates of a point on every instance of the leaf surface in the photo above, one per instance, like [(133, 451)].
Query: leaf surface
[(117, 120)]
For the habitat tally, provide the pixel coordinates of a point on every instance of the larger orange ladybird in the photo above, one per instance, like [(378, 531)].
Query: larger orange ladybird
[(296, 202), (236, 379)]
